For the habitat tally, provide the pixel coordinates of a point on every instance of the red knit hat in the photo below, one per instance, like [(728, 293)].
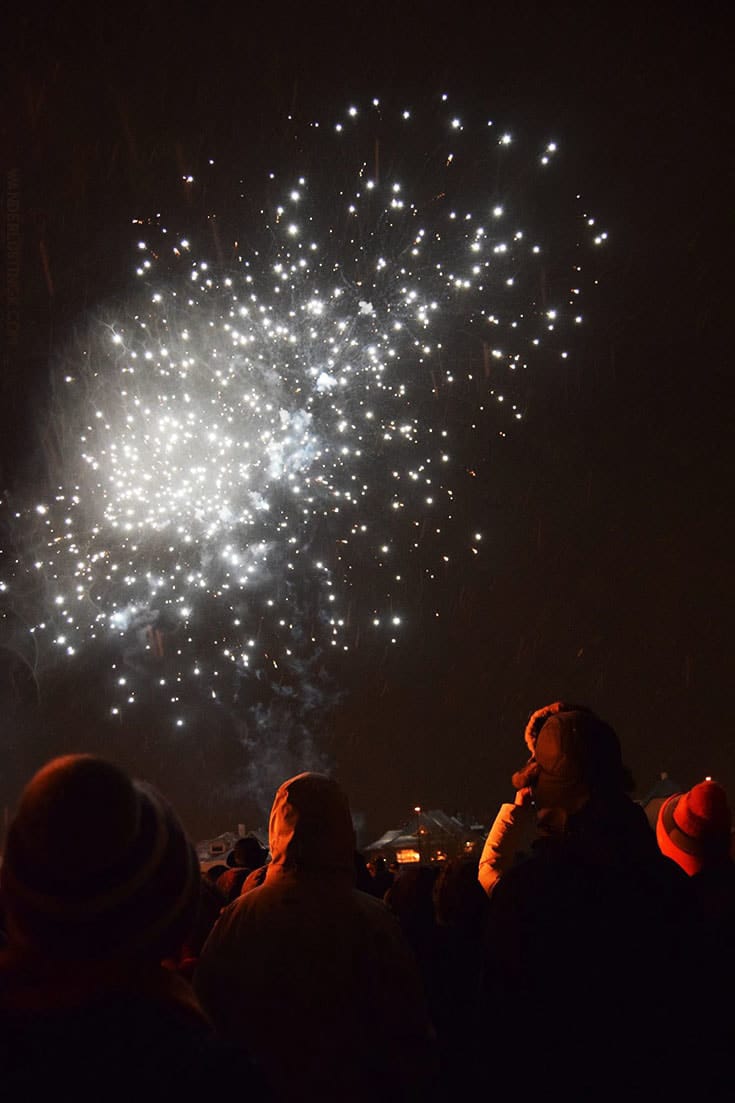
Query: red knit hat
[(97, 865), (693, 828)]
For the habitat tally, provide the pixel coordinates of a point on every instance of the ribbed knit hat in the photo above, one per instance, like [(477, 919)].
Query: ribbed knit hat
[(97, 865), (693, 828)]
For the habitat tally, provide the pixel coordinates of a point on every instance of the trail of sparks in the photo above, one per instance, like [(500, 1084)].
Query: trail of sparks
[(266, 455)]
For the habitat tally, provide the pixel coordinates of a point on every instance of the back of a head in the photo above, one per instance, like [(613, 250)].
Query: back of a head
[(248, 853), (459, 899), (575, 756), (97, 865), (411, 897), (693, 829), (310, 828)]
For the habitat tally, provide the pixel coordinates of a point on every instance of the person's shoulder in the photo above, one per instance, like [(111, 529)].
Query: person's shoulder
[(238, 912), (721, 875), (151, 1050), (668, 877), (375, 915), (371, 905), (537, 867)]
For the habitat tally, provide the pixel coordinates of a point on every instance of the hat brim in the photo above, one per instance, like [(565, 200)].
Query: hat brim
[(675, 843)]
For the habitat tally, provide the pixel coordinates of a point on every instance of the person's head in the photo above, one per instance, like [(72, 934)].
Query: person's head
[(574, 756), (97, 866), (459, 899), (216, 871), (410, 897), (247, 853), (310, 829), (693, 829)]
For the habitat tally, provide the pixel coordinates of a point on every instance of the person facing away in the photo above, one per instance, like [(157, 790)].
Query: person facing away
[(590, 938), (315, 974), (99, 885), (693, 829), (246, 855)]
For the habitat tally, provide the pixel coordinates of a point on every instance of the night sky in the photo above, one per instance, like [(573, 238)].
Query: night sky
[(607, 576)]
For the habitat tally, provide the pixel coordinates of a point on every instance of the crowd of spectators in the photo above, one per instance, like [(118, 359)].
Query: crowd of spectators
[(590, 954)]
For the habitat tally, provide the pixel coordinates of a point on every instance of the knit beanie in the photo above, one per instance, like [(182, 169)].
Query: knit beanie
[(574, 755), (693, 828), (97, 866)]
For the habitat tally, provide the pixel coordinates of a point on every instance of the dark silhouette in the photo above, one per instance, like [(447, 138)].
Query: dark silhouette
[(99, 884), (314, 973), (591, 921)]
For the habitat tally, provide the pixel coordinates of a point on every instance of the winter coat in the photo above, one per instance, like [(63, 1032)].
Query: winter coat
[(512, 833), (107, 1030), (312, 975), (591, 940)]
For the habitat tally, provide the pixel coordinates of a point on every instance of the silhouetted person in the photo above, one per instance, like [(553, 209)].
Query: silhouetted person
[(411, 900), (588, 951), (381, 875), (99, 885), (363, 880), (693, 829), (453, 983), (246, 855), (312, 972), (211, 903)]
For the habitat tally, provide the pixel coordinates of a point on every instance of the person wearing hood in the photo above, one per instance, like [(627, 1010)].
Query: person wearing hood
[(314, 974), (591, 915)]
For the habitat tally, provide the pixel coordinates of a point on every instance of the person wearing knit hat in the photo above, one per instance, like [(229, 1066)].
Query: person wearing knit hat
[(97, 864), (99, 884), (693, 829)]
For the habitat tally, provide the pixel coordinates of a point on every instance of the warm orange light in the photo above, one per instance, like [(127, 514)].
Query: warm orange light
[(407, 856)]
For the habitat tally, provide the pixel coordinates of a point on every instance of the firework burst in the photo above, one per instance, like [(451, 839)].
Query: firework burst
[(268, 452)]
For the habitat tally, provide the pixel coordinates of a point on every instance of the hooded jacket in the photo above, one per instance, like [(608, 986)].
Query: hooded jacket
[(311, 975)]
